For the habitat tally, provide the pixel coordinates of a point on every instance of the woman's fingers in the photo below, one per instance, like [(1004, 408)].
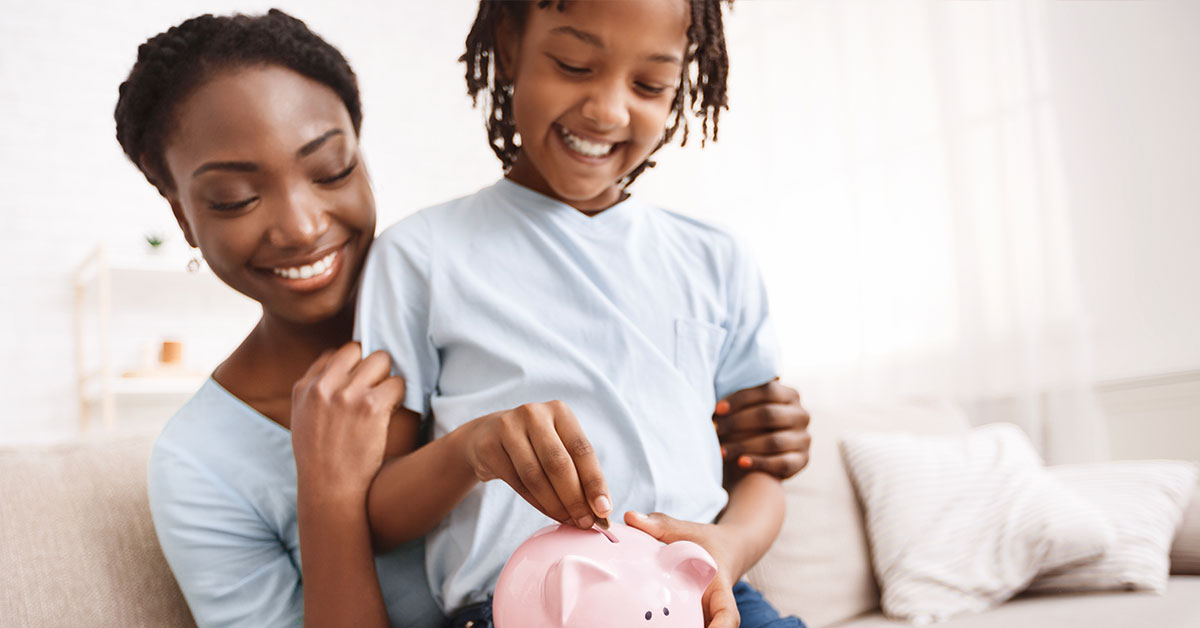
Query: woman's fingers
[(763, 417), (770, 392), (372, 369)]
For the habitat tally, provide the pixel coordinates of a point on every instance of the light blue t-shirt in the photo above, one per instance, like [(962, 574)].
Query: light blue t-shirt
[(638, 318), (222, 485)]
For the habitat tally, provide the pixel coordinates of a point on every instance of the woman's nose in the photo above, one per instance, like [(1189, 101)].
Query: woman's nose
[(606, 107), (299, 219)]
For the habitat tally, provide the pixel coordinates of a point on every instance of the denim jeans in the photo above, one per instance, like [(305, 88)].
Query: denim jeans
[(755, 610)]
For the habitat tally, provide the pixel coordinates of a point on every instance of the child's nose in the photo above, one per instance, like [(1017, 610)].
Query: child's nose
[(606, 108)]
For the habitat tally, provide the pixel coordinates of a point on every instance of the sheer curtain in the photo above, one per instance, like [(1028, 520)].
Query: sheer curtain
[(894, 166)]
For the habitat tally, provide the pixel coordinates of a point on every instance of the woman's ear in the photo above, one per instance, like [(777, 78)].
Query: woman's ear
[(177, 209)]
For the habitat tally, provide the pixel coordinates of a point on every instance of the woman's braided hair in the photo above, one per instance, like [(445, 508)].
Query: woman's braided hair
[(172, 64), (702, 81)]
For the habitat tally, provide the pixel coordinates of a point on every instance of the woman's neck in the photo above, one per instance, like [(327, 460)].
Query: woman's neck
[(276, 353)]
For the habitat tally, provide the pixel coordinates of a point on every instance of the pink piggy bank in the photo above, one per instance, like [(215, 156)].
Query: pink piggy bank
[(564, 577)]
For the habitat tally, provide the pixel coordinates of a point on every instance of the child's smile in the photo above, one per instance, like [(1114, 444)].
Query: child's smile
[(593, 85)]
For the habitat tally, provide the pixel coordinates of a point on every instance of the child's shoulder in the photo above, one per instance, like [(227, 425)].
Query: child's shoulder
[(705, 236), (427, 222)]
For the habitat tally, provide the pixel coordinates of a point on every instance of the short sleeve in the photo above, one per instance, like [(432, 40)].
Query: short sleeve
[(233, 570), (750, 354), (394, 307)]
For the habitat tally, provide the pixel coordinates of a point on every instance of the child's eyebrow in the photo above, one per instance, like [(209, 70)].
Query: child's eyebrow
[(593, 40)]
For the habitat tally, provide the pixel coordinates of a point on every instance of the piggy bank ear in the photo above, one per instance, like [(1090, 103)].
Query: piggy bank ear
[(567, 579), (686, 560)]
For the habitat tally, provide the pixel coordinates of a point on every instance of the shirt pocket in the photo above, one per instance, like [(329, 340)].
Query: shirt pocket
[(697, 349)]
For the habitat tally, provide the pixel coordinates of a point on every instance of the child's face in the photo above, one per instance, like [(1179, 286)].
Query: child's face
[(267, 181), (593, 86)]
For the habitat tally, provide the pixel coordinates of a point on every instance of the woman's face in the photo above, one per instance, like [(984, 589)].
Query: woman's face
[(269, 184)]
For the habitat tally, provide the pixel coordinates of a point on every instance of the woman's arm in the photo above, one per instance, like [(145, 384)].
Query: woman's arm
[(340, 419)]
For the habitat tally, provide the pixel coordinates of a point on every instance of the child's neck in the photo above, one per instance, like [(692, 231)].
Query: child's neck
[(524, 173)]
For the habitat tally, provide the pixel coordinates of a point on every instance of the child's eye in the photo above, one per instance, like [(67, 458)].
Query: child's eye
[(650, 89), (339, 176), (225, 207), (570, 69)]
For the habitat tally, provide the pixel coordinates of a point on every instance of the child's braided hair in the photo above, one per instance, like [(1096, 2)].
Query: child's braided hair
[(172, 64), (705, 70)]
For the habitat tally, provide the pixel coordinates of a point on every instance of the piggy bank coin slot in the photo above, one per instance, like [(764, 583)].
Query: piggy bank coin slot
[(607, 534)]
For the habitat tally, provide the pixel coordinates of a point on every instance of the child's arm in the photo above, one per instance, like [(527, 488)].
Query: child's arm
[(764, 428), (739, 538), (538, 449)]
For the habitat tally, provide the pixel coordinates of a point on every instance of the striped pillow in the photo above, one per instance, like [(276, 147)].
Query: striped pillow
[(1144, 501), (961, 523), (1185, 551)]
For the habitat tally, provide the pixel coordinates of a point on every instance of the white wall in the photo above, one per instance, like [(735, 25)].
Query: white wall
[(1125, 89)]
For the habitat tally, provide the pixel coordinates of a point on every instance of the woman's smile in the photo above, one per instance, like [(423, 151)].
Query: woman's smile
[(309, 273)]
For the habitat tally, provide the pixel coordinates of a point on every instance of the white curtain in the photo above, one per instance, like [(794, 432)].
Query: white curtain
[(897, 173)]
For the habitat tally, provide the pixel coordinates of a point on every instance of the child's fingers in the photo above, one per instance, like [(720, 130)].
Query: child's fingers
[(770, 392), (529, 469), (721, 606), (590, 476), (503, 469), (559, 469), (763, 417)]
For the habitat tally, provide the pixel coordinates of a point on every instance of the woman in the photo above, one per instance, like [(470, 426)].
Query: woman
[(248, 126)]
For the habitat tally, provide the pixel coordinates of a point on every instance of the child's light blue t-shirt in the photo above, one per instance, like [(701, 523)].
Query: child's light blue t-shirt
[(222, 487), (637, 318)]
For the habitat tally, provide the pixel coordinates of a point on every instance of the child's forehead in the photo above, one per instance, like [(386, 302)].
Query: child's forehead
[(610, 24)]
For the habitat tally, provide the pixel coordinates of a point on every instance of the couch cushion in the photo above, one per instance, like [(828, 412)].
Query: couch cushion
[(960, 523), (76, 541), (1177, 608), (1144, 501), (819, 567), (1185, 551)]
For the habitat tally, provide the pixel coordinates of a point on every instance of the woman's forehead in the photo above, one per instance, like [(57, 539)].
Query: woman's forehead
[(253, 110)]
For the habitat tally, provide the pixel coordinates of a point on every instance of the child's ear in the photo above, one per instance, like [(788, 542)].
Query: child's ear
[(507, 48)]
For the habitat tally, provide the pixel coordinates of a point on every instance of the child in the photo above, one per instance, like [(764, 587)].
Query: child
[(555, 284)]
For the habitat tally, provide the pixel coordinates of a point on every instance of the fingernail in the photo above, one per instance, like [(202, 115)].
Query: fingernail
[(722, 406), (724, 454), (585, 522), (744, 462), (603, 505)]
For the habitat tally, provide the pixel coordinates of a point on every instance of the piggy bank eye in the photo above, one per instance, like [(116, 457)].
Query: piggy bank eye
[(666, 611), (649, 614)]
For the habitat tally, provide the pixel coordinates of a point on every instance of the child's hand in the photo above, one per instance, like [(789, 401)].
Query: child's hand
[(720, 607), (341, 410), (765, 429), (540, 450)]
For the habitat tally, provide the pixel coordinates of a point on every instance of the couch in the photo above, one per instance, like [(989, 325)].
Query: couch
[(77, 546)]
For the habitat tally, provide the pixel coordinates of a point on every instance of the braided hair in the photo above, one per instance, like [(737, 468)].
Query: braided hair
[(172, 64), (702, 80)]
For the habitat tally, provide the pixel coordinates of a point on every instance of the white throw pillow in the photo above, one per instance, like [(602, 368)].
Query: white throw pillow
[(959, 524), (1144, 501), (1185, 551)]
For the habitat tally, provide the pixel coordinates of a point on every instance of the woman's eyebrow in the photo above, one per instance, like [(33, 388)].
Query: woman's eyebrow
[(236, 166), (312, 146)]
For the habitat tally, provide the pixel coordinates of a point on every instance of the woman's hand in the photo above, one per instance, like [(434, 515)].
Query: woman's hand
[(764, 429), (341, 410), (720, 607), (540, 450)]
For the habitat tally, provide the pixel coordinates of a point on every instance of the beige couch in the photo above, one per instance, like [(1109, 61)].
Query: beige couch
[(77, 547)]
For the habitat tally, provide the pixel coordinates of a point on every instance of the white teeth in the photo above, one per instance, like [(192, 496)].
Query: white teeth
[(317, 268), (585, 147)]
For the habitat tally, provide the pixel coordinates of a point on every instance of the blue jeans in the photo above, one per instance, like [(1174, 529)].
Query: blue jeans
[(756, 612)]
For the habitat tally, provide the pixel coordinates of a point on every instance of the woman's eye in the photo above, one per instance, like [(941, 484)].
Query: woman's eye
[(224, 207), (339, 176), (570, 69)]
